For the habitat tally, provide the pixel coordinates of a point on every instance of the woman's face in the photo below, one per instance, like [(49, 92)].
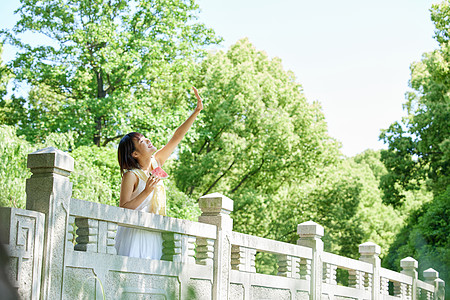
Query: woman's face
[(143, 147)]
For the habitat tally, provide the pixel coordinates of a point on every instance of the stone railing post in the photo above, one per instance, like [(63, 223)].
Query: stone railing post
[(440, 293), (431, 276), (49, 191), (310, 235), (370, 253), (216, 209), (409, 267)]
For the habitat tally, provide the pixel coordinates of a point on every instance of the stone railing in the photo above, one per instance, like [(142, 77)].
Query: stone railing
[(63, 248)]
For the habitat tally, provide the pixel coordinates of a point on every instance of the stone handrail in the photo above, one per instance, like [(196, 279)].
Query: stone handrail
[(139, 219), (63, 248)]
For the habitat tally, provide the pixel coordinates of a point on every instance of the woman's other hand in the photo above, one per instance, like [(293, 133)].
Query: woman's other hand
[(152, 181), (199, 100)]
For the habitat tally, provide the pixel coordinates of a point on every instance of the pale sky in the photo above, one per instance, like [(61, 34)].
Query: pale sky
[(352, 56)]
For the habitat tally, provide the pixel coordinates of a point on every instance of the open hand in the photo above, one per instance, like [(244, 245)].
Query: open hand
[(199, 100), (151, 182)]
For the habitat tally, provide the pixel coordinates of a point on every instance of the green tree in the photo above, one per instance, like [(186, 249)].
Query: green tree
[(256, 137), (426, 237), (346, 200), (419, 151), (13, 167), (419, 146), (96, 175), (106, 67), (5, 77)]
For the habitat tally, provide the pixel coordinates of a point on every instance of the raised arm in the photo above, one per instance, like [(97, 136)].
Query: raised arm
[(163, 154)]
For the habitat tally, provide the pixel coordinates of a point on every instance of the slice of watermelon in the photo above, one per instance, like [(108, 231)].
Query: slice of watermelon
[(158, 172)]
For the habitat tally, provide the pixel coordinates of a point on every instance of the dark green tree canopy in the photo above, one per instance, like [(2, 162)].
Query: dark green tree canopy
[(99, 58)]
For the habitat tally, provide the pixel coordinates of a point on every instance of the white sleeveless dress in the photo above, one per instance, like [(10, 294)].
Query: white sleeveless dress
[(137, 242)]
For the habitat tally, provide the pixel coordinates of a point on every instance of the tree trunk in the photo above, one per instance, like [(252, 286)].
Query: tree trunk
[(101, 93)]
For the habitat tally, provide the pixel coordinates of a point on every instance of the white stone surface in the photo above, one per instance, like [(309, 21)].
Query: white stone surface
[(199, 254)]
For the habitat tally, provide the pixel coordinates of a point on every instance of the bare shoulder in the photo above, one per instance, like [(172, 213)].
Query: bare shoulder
[(129, 179), (129, 184)]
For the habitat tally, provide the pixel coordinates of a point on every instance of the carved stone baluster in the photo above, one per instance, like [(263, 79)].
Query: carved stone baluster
[(400, 290), (243, 259), (237, 258), (110, 238), (384, 286), (305, 269), (205, 251), (87, 232), (188, 249), (329, 273), (171, 247), (368, 281), (286, 265), (355, 279), (71, 233)]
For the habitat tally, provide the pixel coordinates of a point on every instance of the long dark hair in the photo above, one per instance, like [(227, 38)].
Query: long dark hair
[(126, 148)]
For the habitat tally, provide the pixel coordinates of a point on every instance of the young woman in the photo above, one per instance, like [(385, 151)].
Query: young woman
[(142, 191)]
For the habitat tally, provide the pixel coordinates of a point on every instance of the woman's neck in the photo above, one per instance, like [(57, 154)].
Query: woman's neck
[(145, 164)]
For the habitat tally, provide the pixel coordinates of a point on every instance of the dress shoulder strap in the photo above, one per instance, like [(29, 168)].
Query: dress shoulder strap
[(140, 174)]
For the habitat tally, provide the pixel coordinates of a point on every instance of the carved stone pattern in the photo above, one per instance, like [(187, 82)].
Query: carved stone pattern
[(110, 238), (400, 289), (355, 279), (368, 281), (329, 273), (295, 272), (188, 251), (284, 265), (384, 286), (305, 269), (243, 258), (23, 243), (205, 251), (71, 233), (87, 232), (408, 291), (171, 246), (178, 247), (237, 258), (24, 267)]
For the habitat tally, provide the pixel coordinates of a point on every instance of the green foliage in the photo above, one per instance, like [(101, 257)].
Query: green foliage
[(419, 152), (419, 148), (105, 68), (346, 200), (426, 238), (96, 176), (13, 168), (5, 76), (256, 136)]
